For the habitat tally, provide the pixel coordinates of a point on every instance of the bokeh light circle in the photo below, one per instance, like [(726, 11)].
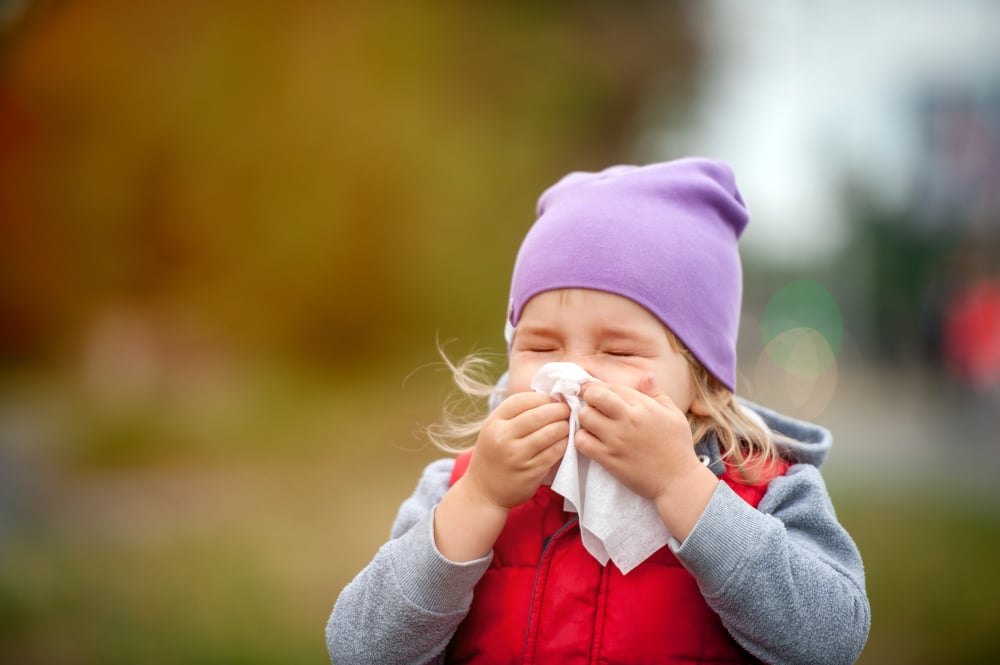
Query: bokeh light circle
[(802, 329), (801, 338), (805, 382)]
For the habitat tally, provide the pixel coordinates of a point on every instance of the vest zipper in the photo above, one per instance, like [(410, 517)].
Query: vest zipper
[(600, 614), (542, 563)]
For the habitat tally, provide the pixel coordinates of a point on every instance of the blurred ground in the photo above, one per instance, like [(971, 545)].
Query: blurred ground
[(238, 555), (913, 477), (894, 429)]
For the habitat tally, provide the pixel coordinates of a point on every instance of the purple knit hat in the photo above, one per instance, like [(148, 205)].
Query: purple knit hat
[(663, 235)]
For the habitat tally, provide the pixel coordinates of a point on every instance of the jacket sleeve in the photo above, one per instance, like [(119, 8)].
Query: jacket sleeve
[(406, 604), (786, 578)]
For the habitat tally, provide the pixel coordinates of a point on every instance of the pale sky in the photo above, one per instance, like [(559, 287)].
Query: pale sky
[(795, 91)]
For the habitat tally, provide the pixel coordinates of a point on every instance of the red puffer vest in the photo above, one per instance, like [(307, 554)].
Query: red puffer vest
[(544, 599)]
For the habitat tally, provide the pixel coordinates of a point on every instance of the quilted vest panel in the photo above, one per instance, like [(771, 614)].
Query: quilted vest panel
[(545, 599)]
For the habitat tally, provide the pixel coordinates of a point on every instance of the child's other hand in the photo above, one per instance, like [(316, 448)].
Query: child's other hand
[(640, 436), (519, 443)]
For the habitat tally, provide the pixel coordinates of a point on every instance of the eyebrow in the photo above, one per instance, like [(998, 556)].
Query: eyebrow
[(617, 331), (541, 331), (622, 333), (610, 332)]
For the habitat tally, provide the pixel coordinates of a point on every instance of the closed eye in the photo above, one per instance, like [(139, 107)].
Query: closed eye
[(536, 343), (535, 346)]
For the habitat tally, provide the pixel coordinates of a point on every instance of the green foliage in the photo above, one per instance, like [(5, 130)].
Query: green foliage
[(930, 562), (201, 602)]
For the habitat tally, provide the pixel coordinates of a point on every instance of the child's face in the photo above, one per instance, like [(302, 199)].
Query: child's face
[(615, 339)]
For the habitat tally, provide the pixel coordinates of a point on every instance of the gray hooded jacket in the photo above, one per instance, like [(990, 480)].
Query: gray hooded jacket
[(785, 577)]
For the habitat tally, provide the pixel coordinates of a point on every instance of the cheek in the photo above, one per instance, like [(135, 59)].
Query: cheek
[(521, 372), (617, 372), (678, 387)]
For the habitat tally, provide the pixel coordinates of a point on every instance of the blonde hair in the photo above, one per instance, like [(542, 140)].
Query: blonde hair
[(743, 440), (463, 416)]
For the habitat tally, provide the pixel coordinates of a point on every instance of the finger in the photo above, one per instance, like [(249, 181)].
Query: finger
[(596, 422), (538, 441), (553, 452), (608, 398), (538, 417), (519, 404), (648, 386), (591, 446), (523, 401)]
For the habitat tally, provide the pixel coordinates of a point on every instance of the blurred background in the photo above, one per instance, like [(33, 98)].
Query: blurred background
[(233, 233)]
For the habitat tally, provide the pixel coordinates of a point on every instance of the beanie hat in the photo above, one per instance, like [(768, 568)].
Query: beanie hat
[(663, 235)]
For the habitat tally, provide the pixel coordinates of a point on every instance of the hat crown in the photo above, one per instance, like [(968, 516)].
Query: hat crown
[(664, 235)]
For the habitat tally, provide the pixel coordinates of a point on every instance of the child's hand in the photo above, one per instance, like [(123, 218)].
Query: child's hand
[(639, 436), (519, 443)]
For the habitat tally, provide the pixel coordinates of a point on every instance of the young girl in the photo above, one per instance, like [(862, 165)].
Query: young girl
[(632, 274)]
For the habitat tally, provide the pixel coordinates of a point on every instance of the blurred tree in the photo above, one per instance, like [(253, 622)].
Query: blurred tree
[(322, 181)]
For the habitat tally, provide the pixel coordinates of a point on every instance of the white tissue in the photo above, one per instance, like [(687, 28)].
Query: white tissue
[(615, 522), (565, 380)]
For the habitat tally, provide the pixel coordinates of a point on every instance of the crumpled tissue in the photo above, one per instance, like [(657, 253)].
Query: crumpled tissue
[(615, 522)]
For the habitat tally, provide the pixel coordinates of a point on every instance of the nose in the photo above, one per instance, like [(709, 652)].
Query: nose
[(577, 352), (570, 356), (579, 359)]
